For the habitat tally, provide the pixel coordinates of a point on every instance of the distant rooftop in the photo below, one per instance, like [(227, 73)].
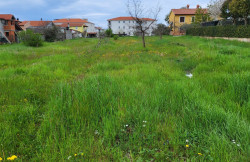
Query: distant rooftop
[(128, 18)]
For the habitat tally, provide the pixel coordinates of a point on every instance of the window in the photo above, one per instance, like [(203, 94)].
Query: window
[(119, 27), (129, 21), (124, 27), (182, 19), (5, 22), (119, 21), (193, 18), (7, 34), (123, 21), (76, 27)]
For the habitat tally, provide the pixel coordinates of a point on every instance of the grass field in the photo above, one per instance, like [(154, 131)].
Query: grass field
[(120, 102)]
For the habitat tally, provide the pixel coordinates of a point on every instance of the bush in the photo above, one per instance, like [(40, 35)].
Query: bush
[(109, 33), (51, 34), (29, 38), (116, 37), (221, 31)]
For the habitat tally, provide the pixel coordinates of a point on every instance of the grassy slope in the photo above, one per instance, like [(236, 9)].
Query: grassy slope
[(71, 97)]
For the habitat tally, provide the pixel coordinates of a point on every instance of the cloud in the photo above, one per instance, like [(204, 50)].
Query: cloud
[(22, 3)]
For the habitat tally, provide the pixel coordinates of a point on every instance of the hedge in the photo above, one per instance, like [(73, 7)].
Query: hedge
[(221, 31)]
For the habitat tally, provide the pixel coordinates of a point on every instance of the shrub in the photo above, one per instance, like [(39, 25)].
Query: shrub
[(51, 34), (29, 38), (109, 33), (221, 31), (116, 37)]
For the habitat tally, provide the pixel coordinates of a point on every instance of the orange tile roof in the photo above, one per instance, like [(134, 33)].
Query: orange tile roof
[(36, 23), (129, 18), (185, 11), (23, 23), (70, 24), (70, 20), (6, 16)]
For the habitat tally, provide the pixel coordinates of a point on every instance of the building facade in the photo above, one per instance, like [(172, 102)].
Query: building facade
[(128, 25), (9, 27), (179, 17)]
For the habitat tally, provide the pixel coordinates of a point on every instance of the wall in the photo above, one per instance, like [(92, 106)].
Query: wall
[(128, 27)]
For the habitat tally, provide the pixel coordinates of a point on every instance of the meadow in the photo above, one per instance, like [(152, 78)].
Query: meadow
[(76, 101)]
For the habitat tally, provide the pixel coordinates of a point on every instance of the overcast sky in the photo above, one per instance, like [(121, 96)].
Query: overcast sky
[(97, 11)]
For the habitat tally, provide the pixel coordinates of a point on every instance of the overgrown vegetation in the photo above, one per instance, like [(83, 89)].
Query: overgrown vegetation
[(71, 101), (220, 31), (29, 38)]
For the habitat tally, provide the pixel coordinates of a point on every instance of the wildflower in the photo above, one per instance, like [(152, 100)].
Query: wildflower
[(144, 125), (238, 145), (96, 132), (144, 121), (187, 146), (75, 154), (187, 140), (82, 154), (233, 140), (69, 157), (13, 157), (200, 154), (25, 100), (1, 159)]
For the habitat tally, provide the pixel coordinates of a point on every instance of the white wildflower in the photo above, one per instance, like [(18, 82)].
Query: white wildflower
[(238, 145), (69, 157), (144, 125), (187, 140)]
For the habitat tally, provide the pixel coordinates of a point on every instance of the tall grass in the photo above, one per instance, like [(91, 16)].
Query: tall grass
[(75, 101)]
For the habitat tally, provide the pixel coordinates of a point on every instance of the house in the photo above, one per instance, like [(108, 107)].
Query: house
[(36, 26), (73, 24), (127, 25), (9, 27), (179, 17), (91, 30), (99, 30)]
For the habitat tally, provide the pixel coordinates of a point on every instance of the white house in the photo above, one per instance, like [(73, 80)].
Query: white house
[(91, 30), (127, 25)]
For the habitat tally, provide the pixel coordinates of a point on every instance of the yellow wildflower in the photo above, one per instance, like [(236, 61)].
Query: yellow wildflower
[(187, 146), (82, 154), (1, 159), (13, 157), (25, 100), (75, 154), (200, 154)]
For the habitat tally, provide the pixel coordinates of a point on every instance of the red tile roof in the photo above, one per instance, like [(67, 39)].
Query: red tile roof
[(36, 23), (70, 24), (128, 18), (185, 11), (6, 16), (23, 23), (70, 20)]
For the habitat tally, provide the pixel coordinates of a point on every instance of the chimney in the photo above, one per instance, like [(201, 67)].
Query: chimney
[(198, 6), (188, 6), (17, 19), (41, 19)]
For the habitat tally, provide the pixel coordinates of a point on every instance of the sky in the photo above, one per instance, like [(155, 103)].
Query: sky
[(96, 11)]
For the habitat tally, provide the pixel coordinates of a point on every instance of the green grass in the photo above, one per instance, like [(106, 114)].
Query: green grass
[(120, 102)]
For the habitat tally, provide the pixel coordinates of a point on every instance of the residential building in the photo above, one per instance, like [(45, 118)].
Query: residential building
[(73, 24), (179, 17), (9, 27), (91, 30), (35, 25), (128, 25)]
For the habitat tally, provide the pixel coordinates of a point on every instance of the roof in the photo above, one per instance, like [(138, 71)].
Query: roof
[(70, 20), (129, 18), (35, 23), (185, 11), (6, 16), (70, 24), (23, 23)]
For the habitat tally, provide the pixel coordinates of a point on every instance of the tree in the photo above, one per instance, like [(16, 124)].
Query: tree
[(240, 8), (137, 11), (161, 30), (51, 34), (214, 8), (225, 12), (201, 15), (109, 33)]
